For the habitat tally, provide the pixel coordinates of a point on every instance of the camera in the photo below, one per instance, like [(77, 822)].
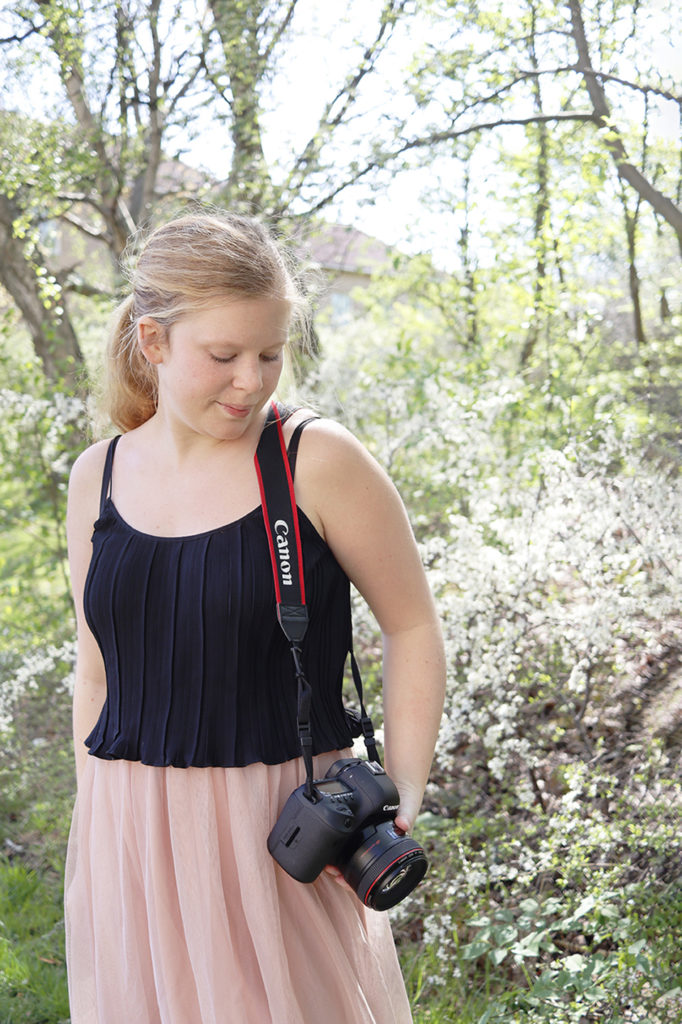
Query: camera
[(346, 820)]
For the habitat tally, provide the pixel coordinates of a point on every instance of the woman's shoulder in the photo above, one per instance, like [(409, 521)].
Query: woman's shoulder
[(85, 485), (87, 471), (330, 450), (337, 477), (324, 435), (358, 511), (91, 461)]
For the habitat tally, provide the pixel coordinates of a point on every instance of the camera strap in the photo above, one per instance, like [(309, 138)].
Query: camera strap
[(280, 515)]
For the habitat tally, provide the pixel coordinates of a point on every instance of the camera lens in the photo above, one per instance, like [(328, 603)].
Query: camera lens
[(385, 867)]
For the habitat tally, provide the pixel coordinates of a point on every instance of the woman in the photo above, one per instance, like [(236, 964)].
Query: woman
[(185, 702)]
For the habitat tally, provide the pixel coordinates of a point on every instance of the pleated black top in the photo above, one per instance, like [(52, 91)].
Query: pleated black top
[(198, 670)]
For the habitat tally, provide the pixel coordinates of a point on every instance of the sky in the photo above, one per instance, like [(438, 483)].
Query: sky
[(398, 214), (312, 63)]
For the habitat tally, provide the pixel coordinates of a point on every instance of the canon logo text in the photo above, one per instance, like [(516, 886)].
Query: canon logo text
[(281, 534)]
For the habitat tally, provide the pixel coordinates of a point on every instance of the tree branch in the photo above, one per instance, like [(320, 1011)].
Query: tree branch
[(612, 137), (534, 74), (449, 134), (18, 38), (156, 122), (446, 135), (266, 54), (71, 281), (346, 95), (80, 225), (52, 333), (650, 90)]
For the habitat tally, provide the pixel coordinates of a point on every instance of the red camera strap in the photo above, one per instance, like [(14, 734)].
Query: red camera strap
[(280, 516)]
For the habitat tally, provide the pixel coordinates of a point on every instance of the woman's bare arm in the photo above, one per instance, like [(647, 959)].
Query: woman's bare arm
[(358, 510), (82, 511)]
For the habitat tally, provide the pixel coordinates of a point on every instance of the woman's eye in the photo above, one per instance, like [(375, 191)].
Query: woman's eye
[(265, 357)]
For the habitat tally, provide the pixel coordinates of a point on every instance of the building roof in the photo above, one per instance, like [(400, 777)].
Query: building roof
[(342, 248)]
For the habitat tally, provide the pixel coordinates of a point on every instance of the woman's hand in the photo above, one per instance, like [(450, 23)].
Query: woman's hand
[(410, 803), (403, 821), (338, 877)]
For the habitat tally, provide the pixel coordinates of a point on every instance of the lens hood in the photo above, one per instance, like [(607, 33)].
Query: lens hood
[(385, 867)]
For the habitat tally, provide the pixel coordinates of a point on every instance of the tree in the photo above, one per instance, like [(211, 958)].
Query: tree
[(488, 64), (131, 77), (23, 262), (528, 84), (664, 207), (135, 82)]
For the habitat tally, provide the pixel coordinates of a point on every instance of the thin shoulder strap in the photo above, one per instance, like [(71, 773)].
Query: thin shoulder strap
[(106, 475), (285, 412), (292, 447)]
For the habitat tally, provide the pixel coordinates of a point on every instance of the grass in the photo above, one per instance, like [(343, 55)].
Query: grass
[(32, 968), (33, 977), (36, 795), (468, 975), (450, 1002)]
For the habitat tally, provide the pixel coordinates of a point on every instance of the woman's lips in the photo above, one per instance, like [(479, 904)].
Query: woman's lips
[(239, 411)]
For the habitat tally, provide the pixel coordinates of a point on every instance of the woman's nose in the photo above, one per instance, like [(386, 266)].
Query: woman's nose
[(248, 375)]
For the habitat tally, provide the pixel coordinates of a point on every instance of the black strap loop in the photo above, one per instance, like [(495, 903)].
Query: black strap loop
[(365, 721), (305, 696), (294, 621)]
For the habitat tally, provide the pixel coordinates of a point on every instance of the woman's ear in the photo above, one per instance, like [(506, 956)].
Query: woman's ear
[(152, 339)]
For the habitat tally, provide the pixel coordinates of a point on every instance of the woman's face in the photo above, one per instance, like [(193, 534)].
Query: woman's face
[(217, 368)]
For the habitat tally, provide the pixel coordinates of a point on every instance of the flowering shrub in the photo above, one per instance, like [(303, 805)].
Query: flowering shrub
[(48, 423), (551, 567), (555, 791), (543, 607), (42, 432), (51, 664), (552, 818)]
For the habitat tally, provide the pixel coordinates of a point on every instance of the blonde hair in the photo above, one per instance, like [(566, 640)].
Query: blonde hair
[(186, 265)]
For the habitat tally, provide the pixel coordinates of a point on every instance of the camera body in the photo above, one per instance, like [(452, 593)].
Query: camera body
[(349, 823)]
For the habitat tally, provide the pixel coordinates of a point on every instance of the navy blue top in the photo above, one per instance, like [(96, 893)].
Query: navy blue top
[(198, 670)]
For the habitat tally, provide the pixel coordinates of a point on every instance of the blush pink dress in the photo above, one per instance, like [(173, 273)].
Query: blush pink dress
[(177, 914), (175, 911)]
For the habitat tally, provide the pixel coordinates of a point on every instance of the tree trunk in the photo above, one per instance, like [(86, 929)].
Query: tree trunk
[(52, 333), (248, 183), (541, 215), (471, 311), (633, 276)]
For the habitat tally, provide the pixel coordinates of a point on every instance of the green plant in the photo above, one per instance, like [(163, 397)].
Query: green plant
[(32, 970)]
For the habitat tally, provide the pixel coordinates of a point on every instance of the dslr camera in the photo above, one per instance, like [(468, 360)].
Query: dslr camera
[(347, 821)]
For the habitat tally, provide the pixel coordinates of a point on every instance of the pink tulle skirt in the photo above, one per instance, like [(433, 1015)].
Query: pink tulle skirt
[(177, 914)]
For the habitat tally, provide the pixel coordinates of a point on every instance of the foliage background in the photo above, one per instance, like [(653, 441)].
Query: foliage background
[(516, 367)]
